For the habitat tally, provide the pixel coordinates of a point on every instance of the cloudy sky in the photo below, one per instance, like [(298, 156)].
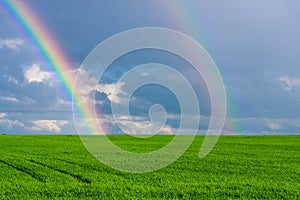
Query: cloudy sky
[(255, 45)]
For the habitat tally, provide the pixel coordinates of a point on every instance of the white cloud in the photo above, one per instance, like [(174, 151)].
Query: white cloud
[(13, 80), (44, 126), (12, 43), (290, 83), (144, 128), (62, 102), (9, 124), (268, 125), (113, 91), (2, 115), (137, 125), (48, 125), (35, 74), (274, 126), (86, 82), (12, 99)]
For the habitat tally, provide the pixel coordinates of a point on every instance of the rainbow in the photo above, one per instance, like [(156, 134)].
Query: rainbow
[(49, 50), (180, 13)]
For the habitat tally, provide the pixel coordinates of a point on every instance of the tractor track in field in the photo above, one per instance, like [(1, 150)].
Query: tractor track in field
[(79, 165), (24, 170), (71, 162), (76, 176)]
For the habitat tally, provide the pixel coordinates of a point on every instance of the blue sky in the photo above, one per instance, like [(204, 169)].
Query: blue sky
[(255, 45)]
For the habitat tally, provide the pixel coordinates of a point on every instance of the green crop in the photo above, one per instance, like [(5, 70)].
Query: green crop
[(239, 167)]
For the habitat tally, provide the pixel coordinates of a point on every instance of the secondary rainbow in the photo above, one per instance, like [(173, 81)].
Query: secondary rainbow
[(48, 49), (180, 11)]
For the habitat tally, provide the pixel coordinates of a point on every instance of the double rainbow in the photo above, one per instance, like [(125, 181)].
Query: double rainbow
[(50, 51)]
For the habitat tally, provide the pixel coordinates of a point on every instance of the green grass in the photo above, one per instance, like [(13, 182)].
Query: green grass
[(239, 167)]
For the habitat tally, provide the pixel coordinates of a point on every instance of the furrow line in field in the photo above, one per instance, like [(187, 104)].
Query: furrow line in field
[(70, 162), (76, 176), (84, 166), (23, 170)]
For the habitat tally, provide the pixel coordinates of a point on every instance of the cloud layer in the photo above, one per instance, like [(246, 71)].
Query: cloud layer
[(11, 43), (257, 55), (35, 74)]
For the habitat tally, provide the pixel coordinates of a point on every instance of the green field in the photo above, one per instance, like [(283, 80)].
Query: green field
[(239, 167)]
